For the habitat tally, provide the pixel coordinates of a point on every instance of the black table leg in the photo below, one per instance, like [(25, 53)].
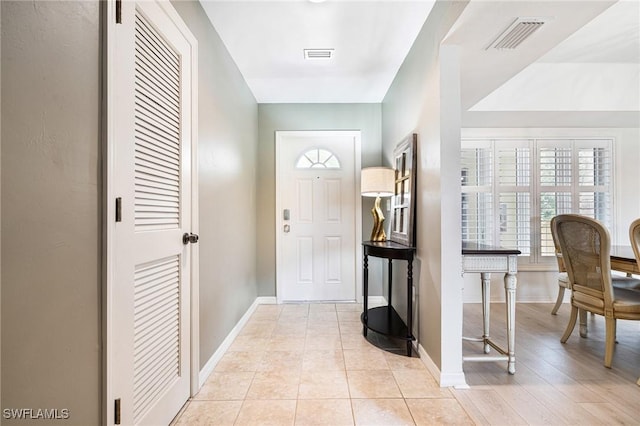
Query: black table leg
[(384, 319), (365, 296), (390, 280), (409, 305)]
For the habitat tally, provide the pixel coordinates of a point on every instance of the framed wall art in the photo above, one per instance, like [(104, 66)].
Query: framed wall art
[(403, 205)]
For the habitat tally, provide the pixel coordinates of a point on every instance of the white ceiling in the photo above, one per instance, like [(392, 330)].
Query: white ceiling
[(586, 58), (482, 21), (595, 70), (266, 40), (613, 37)]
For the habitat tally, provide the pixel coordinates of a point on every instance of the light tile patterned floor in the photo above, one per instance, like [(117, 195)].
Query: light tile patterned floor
[(309, 364)]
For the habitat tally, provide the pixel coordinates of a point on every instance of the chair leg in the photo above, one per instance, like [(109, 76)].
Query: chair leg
[(559, 300), (583, 322), (610, 342), (572, 323)]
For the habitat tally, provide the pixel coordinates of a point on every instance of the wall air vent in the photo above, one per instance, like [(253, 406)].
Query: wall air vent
[(318, 53), (517, 32)]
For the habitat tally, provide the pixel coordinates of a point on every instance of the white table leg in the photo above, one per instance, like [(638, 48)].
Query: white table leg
[(486, 308), (510, 290)]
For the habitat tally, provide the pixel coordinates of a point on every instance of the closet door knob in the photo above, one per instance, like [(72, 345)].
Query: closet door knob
[(189, 238)]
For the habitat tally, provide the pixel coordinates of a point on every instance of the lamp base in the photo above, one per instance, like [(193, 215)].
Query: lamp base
[(377, 234)]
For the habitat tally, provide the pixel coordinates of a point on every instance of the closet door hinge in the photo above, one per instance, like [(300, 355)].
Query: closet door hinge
[(118, 11), (116, 412), (119, 209)]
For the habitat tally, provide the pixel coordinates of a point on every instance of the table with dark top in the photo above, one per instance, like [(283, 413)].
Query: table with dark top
[(384, 319), (486, 260), (624, 260)]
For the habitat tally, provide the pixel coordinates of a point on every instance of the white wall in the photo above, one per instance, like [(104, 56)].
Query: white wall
[(0, 208), (542, 286), (51, 204), (424, 98), (227, 151)]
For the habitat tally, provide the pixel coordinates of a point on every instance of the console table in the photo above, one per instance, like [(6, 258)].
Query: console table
[(384, 319), (485, 260)]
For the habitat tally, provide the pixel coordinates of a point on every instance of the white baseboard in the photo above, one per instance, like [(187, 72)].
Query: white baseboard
[(226, 343), (266, 300), (567, 299), (377, 301), (456, 380)]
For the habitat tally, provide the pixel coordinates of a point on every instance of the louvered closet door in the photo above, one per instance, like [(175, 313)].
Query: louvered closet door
[(152, 160)]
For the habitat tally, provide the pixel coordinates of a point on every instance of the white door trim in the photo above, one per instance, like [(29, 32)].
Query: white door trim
[(356, 134), (108, 217)]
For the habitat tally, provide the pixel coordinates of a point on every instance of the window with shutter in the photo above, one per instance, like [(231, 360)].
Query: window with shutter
[(514, 194), (512, 188), (477, 197)]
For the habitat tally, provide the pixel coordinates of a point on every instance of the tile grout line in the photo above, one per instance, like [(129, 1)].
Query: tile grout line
[(346, 375), (340, 334)]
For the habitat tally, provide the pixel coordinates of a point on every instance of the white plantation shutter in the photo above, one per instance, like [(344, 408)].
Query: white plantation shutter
[(477, 163), (551, 204), (515, 218), (594, 181), (556, 187), (496, 200), (555, 166), (477, 197), (575, 177), (477, 217), (512, 188)]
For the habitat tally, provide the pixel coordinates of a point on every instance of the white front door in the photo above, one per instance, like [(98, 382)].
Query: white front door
[(150, 176), (316, 215)]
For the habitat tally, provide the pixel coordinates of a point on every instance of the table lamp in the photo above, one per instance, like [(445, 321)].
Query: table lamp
[(377, 182)]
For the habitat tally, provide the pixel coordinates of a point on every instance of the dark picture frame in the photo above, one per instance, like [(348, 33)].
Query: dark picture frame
[(403, 202)]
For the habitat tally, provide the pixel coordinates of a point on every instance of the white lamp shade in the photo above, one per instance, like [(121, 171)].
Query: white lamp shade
[(377, 182)]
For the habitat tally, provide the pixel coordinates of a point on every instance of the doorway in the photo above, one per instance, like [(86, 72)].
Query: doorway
[(318, 216), (151, 219)]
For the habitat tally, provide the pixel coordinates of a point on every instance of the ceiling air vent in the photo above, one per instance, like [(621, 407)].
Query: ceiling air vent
[(519, 30), (318, 53)]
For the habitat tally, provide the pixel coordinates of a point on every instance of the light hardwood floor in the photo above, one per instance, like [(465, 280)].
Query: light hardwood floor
[(309, 364), (554, 383)]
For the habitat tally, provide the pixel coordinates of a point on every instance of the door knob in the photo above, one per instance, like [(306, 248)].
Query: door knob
[(189, 238)]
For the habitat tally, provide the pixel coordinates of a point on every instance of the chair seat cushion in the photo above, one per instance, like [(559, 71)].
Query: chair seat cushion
[(627, 303), (628, 283)]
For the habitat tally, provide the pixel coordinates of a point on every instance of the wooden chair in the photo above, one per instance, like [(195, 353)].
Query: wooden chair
[(634, 237), (585, 245), (563, 278)]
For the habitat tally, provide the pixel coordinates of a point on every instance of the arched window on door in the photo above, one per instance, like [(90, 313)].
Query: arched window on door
[(318, 158)]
